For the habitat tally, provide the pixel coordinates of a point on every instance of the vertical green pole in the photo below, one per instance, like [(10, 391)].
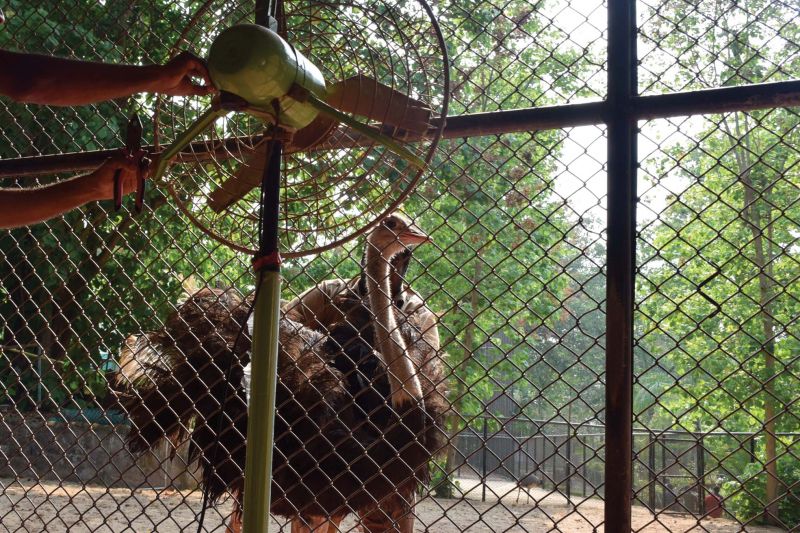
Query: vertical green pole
[(264, 355), (261, 420), (266, 323)]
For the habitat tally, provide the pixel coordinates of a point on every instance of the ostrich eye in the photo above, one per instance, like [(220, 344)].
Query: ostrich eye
[(390, 223)]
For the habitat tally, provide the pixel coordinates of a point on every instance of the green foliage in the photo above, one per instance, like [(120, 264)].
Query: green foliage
[(716, 319), (746, 497), (29, 382), (441, 485), (508, 253), (84, 282)]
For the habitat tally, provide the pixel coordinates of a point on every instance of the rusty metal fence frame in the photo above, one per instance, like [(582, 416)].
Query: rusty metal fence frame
[(620, 112)]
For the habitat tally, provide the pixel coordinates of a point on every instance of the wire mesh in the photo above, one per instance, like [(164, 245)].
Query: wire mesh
[(515, 276), (335, 181)]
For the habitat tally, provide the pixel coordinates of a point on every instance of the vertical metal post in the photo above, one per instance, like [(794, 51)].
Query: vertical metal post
[(540, 464), (651, 474), (39, 355), (524, 471), (264, 358), (264, 353), (583, 465), (260, 423), (622, 163), (568, 465), (701, 471), (484, 457)]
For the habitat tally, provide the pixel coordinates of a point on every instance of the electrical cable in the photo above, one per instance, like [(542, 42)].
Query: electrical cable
[(261, 230)]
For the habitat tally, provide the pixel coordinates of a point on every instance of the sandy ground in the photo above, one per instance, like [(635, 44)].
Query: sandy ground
[(30, 506)]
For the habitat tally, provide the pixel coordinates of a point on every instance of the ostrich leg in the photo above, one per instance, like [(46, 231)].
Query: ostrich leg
[(235, 521), (394, 514)]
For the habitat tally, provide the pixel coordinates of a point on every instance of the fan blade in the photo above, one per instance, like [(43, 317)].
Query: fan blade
[(359, 95), (362, 95), (246, 178), (393, 145), (312, 135)]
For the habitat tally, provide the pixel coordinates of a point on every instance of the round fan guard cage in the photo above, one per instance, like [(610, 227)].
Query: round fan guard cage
[(341, 188)]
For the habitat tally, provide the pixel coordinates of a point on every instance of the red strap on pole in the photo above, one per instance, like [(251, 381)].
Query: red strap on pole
[(272, 260)]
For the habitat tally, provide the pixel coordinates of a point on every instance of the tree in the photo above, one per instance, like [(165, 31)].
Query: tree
[(718, 286), (83, 282)]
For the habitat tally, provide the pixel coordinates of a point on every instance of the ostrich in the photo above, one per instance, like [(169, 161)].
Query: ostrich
[(334, 301), (331, 457), (339, 301), (342, 306)]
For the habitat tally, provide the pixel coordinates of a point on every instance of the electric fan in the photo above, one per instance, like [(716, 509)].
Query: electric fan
[(333, 108)]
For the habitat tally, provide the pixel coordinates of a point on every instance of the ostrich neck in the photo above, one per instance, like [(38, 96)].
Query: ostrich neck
[(403, 380)]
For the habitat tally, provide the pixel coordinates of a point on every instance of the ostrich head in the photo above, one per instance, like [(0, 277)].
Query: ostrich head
[(395, 234)]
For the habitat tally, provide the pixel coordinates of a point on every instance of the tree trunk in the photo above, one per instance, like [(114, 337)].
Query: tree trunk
[(15, 331), (18, 308), (459, 390), (745, 153), (765, 283), (763, 260)]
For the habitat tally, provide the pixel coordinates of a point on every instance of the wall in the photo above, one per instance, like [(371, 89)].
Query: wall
[(32, 446)]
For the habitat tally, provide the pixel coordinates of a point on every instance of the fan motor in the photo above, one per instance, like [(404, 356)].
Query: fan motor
[(256, 64)]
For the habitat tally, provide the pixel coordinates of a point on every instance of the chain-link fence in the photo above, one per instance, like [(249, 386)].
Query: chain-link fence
[(526, 233)]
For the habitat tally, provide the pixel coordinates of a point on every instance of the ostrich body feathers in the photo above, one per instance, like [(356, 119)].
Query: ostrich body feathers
[(339, 444)]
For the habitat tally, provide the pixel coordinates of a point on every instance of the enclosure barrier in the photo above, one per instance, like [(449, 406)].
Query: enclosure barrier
[(615, 220)]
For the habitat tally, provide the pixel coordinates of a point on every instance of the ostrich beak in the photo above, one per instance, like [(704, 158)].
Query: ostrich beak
[(413, 235)]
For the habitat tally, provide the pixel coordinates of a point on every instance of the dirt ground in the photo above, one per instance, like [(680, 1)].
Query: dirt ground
[(31, 506)]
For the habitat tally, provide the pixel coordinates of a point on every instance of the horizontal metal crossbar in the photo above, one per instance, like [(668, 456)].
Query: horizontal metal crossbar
[(722, 100)]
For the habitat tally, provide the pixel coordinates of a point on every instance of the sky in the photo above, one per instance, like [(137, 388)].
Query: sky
[(581, 175)]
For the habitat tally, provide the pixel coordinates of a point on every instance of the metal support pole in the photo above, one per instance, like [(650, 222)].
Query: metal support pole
[(651, 473), (583, 466), (484, 457), (568, 464), (706, 101), (524, 471), (266, 324), (622, 161), (264, 358), (701, 471), (261, 410), (540, 464)]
